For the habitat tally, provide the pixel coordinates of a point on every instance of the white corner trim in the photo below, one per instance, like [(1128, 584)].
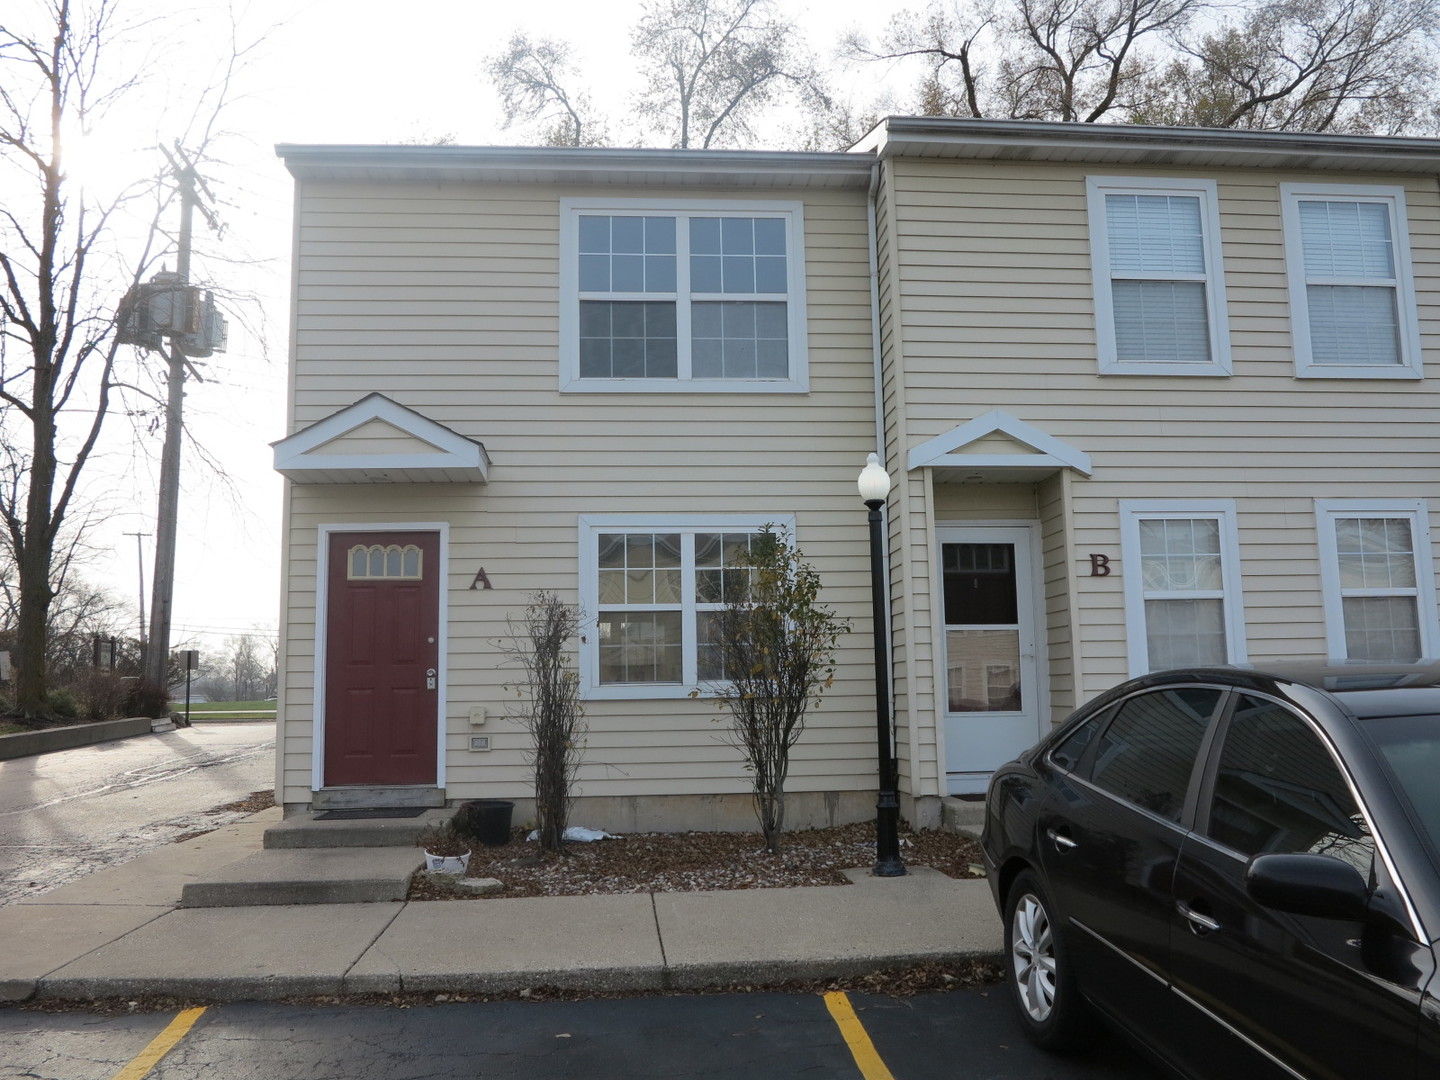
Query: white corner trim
[(1050, 452)]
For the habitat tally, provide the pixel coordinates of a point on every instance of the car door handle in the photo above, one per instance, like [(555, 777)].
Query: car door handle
[(1198, 921), (1060, 840)]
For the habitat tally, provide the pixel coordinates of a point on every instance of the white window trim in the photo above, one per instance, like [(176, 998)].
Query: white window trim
[(1326, 511), (591, 526), (1096, 188), (1132, 512), (792, 212), (1411, 364)]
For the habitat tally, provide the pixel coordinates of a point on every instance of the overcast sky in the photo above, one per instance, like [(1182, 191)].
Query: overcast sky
[(333, 71)]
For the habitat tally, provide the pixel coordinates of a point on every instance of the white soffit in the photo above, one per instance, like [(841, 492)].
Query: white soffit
[(396, 446), (1039, 452)]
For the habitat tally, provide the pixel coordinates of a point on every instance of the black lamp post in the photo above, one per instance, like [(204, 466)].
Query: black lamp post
[(874, 486)]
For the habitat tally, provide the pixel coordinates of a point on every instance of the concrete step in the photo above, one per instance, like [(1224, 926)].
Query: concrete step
[(963, 816), (312, 876), (303, 831), (349, 798)]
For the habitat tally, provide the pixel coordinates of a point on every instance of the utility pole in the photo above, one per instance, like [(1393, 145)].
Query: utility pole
[(157, 655), (140, 566)]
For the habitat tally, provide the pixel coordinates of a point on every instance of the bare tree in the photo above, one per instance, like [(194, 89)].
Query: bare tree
[(711, 67), (1314, 65), (69, 70), (1032, 59), (536, 79), (1308, 65)]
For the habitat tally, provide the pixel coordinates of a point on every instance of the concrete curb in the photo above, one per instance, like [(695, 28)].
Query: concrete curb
[(29, 743)]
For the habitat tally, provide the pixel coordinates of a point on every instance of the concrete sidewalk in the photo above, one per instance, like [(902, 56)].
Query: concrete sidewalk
[(120, 932)]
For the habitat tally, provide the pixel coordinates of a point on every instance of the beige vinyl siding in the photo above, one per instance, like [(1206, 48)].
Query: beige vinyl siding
[(445, 298), (992, 294)]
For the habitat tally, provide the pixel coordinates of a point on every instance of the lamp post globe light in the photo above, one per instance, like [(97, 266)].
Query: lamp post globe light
[(874, 486)]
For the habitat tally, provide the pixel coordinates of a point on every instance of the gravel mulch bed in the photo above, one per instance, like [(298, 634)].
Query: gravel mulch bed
[(694, 862)]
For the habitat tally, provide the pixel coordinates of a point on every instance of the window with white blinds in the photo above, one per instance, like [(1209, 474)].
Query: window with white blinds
[(1352, 302), (1378, 582), (1181, 578), (1159, 290)]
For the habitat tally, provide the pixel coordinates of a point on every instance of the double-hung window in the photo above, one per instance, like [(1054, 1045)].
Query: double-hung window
[(1181, 568), (668, 296), (1352, 300), (1377, 579), (652, 584), (1159, 282)]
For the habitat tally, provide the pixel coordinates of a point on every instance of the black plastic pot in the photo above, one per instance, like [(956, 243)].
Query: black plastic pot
[(486, 820)]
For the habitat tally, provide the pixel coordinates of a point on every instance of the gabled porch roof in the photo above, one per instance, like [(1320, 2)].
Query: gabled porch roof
[(998, 443), (379, 441)]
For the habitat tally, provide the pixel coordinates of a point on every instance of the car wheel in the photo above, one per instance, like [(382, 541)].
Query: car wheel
[(1038, 969)]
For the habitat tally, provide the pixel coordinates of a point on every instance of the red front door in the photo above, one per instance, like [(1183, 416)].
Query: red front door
[(382, 658)]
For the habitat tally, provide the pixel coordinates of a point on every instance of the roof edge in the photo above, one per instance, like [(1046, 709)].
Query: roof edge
[(897, 135), (302, 158)]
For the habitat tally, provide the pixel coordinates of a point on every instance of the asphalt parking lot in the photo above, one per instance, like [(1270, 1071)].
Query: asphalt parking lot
[(963, 1035)]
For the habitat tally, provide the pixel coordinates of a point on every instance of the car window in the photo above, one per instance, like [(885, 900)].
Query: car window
[(1148, 752), (1279, 789), (1071, 749), (1411, 748)]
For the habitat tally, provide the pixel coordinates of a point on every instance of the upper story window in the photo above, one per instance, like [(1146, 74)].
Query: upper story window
[(1352, 300), (1159, 283), (1377, 577), (663, 296), (1182, 583)]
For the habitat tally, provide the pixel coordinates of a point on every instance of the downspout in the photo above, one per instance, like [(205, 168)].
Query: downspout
[(876, 361), (875, 320)]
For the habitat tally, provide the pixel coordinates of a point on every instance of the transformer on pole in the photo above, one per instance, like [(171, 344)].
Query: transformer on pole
[(171, 316)]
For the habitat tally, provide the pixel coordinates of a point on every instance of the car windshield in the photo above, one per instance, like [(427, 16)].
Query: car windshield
[(1411, 747)]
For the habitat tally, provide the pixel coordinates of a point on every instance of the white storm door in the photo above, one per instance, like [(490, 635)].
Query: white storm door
[(990, 693)]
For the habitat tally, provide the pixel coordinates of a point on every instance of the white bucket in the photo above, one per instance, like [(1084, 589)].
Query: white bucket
[(447, 864)]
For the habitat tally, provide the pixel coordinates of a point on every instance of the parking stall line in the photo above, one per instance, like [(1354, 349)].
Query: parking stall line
[(867, 1058), (161, 1045)]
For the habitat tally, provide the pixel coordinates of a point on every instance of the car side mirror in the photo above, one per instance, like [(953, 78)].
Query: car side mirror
[(1308, 885)]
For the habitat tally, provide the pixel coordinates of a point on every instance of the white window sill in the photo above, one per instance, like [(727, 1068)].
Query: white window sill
[(1211, 370), (684, 386), (639, 692), (1357, 371)]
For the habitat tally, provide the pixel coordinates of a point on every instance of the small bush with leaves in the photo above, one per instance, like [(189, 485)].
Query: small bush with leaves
[(776, 644)]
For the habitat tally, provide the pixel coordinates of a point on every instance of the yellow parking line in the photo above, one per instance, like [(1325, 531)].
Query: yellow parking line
[(159, 1046), (856, 1037)]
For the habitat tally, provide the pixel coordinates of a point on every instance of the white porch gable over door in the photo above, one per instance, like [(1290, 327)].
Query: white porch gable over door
[(379, 441), (988, 585), (999, 443)]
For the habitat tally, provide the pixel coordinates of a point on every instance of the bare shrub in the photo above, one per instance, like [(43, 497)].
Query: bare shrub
[(551, 712)]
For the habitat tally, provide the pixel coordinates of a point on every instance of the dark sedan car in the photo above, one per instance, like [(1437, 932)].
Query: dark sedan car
[(1240, 867)]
